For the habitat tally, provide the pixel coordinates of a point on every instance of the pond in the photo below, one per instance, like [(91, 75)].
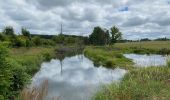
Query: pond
[(74, 78), (147, 60)]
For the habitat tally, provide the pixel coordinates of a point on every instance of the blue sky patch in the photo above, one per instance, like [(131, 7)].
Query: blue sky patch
[(124, 9)]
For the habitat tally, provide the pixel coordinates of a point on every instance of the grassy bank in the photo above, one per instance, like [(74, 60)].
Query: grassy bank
[(140, 84), (157, 47), (106, 57), (23, 64), (151, 83)]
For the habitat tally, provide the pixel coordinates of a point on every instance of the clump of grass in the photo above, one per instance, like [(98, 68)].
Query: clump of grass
[(140, 84)]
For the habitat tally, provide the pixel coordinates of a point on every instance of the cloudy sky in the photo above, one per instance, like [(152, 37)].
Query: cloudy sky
[(135, 18)]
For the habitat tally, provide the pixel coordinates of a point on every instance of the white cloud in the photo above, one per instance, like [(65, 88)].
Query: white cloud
[(143, 18)]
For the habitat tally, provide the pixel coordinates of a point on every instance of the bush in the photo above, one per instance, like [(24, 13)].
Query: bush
[(20, 41), (47, 56), (5, 74), (48, 42), (37, 41), (19, 76)]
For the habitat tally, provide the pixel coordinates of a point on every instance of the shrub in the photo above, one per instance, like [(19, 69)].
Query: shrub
[(37, 41), (5, 74), (20, 41)]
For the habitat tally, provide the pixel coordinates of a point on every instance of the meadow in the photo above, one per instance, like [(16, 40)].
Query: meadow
[(147, 47), (152, 83)]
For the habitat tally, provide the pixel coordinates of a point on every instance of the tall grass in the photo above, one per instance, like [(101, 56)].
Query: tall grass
[(168, 61), (140, 84), (34, 93)]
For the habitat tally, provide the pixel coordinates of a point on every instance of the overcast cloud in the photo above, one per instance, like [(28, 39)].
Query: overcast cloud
[(135, 18)]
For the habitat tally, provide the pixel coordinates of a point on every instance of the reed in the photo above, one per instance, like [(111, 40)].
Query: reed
[(35, 93), (168, 61)]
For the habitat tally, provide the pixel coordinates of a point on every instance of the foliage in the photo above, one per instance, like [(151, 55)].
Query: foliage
[(5, 73), (2, 37), (116, 34), (68, 40), (9, 31), (102, 37), (20, 41), (26, 33), (17, 68), (37, 41), (59, 39), (99, 36)]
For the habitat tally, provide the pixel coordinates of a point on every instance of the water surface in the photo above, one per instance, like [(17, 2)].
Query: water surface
[(147, 60), (75, 78)]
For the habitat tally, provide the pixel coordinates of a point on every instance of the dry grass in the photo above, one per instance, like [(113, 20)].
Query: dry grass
[(36, 93)]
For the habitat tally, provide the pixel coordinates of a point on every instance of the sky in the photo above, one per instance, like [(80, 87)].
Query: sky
[(136, 19)]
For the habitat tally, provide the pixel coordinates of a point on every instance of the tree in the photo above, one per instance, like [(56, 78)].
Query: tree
[(116, 34), (26, 33), (107, 37), (9, 31), (99, 36)]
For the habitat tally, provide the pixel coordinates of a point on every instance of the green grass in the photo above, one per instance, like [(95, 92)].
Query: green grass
[(107, 58), (140, 84), (159, 47)]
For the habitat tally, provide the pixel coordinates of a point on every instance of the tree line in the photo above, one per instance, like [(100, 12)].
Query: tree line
[(99, 36), (26, 39)]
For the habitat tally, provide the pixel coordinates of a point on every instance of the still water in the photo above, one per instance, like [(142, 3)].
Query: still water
[(147, 60), (75, 78)]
